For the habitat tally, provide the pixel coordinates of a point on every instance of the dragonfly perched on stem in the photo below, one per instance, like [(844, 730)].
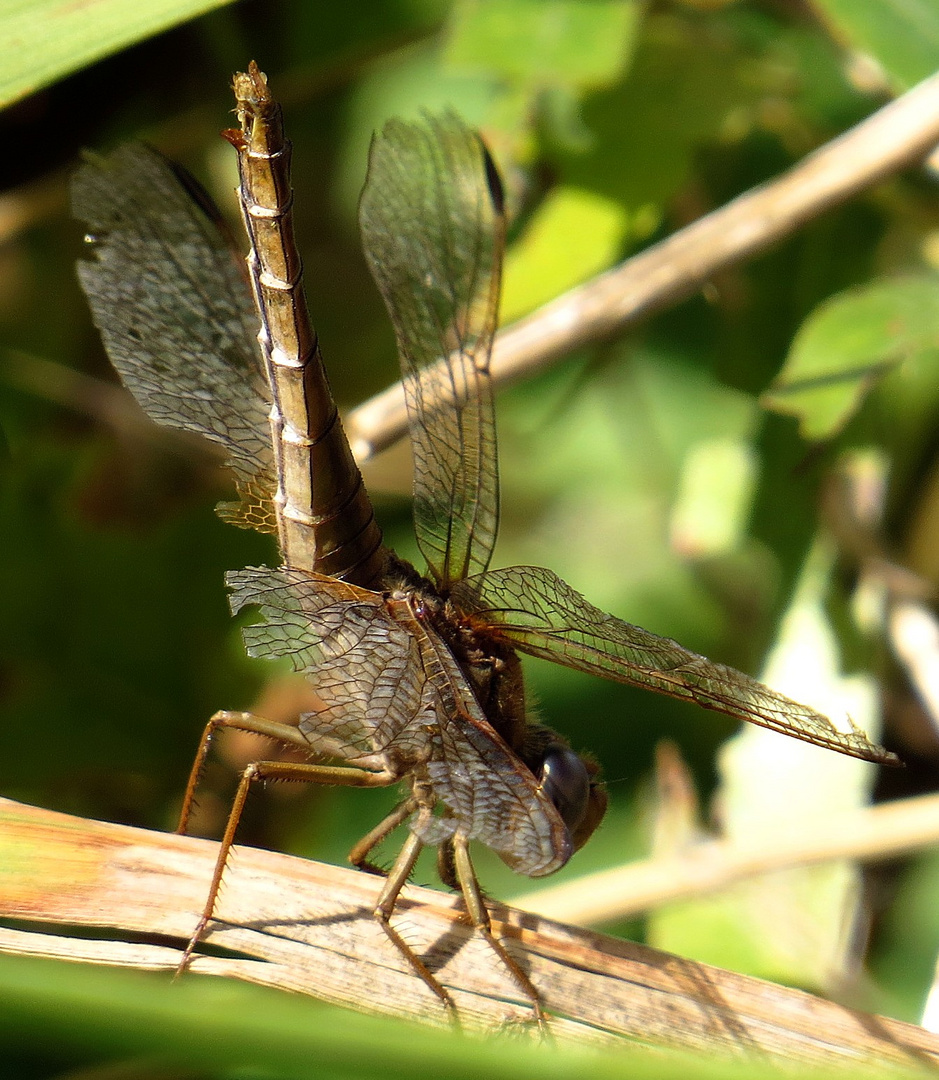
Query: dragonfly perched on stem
[(418, 676)]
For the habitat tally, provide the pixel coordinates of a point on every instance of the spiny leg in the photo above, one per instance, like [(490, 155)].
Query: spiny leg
[(242, 721), (358, 856), (476, 907), (446, 867), (275, 770), (397, 878)]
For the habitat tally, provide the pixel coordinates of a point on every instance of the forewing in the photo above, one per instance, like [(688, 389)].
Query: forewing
[(432, 227), (542, 615), (489, 794), (392, 695), (174, 308), (364, 666)]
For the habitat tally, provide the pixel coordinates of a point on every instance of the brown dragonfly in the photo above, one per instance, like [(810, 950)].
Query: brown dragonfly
[(418, 676)]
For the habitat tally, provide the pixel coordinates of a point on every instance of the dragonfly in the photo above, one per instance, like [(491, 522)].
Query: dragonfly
[(417, 676)]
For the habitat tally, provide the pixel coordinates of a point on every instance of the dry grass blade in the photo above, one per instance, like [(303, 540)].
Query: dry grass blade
[(307, 927)]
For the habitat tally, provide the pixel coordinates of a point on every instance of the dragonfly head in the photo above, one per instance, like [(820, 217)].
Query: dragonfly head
[(570, 781)]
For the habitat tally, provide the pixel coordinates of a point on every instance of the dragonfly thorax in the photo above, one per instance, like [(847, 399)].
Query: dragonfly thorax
[(494, 671)]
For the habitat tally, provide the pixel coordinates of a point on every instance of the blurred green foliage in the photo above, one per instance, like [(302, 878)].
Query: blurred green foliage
[(644, 471)]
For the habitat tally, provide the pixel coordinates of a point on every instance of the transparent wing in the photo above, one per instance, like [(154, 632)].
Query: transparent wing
[(170, 297), (380, 706), (364, 667), (542, 615), (489, 794), (432, 228)]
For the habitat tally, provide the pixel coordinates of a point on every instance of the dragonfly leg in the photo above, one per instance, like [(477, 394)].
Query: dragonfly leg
[(358, 856), (272, 770), (476, 907), (243, 721), (446, 866), (397, 877)]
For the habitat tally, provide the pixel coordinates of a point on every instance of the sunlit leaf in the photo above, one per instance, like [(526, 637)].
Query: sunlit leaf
[(646, 129), (847, 344), (714, 494), (544, 41), (574, 235), (45, 40), (901, 35)]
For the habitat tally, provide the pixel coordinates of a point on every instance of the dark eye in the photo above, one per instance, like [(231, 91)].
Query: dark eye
[(566, 782)]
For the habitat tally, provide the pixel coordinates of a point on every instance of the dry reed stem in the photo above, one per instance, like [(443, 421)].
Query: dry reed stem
[(307, 927)]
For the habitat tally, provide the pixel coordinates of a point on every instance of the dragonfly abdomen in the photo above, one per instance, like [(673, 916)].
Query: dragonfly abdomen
[(324, 515)]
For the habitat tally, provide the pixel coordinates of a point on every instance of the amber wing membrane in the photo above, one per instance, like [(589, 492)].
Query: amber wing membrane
[(432, 228), (540, 614), (363, 666), (392, 697), (168, 292), (488, 793)]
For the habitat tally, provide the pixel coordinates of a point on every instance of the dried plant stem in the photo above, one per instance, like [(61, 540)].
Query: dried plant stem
[(899, 134), (307, 927)]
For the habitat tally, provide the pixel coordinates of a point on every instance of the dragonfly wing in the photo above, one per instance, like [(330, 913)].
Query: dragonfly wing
[(174, 307), (363, 666), (392, 696), (489, 794), (432, 228), (542, 615)]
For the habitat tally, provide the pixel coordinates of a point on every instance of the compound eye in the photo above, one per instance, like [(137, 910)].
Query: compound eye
[(566, 782)]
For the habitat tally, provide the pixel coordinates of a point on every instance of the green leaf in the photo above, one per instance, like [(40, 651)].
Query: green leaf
[(901, 35), (574, 235), (544, 41), (714, 498), (45, 40), (847, 344), (645, 131), (140, 1024)]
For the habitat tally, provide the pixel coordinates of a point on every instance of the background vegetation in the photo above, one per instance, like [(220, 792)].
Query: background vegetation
[(646, 471)]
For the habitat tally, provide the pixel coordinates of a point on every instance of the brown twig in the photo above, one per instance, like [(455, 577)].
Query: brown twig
[(307, 927), (899, 134)]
